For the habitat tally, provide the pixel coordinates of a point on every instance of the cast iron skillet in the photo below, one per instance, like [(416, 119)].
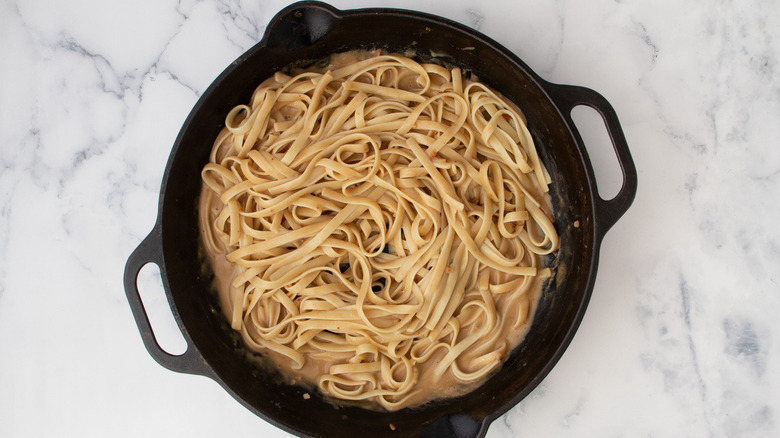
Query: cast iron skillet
[(309, 31)]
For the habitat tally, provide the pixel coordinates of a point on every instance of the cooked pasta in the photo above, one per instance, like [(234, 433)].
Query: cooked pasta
[(382, 221)]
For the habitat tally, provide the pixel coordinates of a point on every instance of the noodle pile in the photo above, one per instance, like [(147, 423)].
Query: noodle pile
[(384, 219)]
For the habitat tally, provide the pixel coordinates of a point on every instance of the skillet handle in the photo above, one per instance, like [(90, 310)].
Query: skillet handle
[(150, 251), (567, 97)]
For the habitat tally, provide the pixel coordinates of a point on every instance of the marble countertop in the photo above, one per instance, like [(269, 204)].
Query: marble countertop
[(680, 337)]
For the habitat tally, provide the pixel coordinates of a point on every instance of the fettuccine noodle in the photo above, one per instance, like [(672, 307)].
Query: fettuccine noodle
[(383, 221)]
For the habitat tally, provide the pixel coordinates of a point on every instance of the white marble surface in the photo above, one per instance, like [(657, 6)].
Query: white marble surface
[(682, 333)]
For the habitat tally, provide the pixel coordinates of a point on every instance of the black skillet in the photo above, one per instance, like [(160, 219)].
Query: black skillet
[(308, 31)]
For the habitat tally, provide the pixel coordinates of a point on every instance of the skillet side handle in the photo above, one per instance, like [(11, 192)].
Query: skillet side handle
[(150, 251), (567, 97)]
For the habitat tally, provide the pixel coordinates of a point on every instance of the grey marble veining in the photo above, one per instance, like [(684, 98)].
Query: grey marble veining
[(680, 339)]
